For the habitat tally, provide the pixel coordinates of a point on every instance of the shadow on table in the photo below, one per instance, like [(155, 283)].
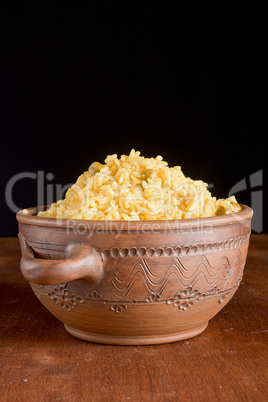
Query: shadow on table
[(24, 320)]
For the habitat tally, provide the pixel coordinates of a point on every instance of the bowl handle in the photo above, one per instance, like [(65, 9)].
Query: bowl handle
[(82, 261)]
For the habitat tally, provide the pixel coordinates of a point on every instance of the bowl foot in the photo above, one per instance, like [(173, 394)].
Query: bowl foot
[(135, 340)]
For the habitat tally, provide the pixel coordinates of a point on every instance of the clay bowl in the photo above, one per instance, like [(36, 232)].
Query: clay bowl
[(134, 282)]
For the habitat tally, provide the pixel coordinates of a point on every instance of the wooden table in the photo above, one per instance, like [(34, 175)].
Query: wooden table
[(40, 361)]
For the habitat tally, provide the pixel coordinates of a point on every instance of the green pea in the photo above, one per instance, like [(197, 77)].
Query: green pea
[(94, 168)]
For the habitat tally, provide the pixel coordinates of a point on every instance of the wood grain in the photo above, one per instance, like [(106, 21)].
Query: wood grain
[(40, 361)]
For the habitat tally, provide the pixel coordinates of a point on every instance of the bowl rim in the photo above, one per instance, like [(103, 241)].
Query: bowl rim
[(223, 220)]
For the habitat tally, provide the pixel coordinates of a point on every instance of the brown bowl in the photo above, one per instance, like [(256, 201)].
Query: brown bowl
[(134, 282)]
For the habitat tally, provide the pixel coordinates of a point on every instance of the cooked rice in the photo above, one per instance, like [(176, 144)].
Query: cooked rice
[(137, 188)]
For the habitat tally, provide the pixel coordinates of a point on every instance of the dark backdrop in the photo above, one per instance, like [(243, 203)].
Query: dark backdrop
[(186, 82)]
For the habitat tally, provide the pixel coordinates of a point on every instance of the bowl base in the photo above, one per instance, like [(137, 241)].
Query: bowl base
[(134, 340)]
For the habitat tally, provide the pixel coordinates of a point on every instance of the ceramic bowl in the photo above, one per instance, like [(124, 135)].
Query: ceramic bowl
[(134, 282)]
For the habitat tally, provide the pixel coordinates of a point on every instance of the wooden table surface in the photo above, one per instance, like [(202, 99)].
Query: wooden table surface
[(40, 361)]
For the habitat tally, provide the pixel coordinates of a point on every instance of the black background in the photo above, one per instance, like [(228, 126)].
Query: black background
[(180, 80)]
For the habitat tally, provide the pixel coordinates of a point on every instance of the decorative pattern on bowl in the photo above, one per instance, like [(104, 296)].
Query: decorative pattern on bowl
[(123, 289)]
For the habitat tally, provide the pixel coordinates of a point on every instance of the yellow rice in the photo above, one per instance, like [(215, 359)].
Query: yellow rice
[(133, 187)]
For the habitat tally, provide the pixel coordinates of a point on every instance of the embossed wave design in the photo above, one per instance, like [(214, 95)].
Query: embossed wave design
[(205, 276)]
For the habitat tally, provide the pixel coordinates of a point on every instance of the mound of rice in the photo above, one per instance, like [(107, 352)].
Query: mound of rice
[(137, 188)]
